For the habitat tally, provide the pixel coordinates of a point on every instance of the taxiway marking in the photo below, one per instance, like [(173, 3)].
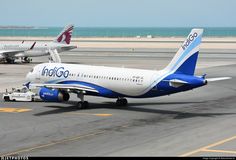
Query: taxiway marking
[(14, 110), (59, 142), (219, 151), (92, 114), (207, 148), (76, 138)]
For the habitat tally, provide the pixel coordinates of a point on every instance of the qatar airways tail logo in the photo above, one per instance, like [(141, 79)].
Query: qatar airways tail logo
[(55, 72), (66, 36), (189, 40)]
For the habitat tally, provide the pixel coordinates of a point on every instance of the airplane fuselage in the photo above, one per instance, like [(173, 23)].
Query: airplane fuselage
[(57, 80), (40, 49), (114, 82)]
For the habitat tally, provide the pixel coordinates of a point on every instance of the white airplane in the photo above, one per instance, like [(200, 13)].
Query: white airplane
[(57, 80), (11, 51)]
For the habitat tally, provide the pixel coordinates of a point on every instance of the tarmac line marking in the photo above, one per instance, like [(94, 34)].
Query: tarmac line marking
[(219, 151), (14, 110), (25, 150), (203, 149), (90, 114)]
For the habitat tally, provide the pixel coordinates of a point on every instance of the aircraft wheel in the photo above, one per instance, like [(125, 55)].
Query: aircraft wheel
[(82, 105), (86, 104), (27, 60), (79, 105), (10, 61), (121, 102)]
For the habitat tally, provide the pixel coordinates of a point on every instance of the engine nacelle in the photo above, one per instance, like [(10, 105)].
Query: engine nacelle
[(53, 95)]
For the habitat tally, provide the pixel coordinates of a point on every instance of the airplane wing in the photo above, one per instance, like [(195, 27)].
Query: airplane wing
[(218, 79), (11, 53), (71, 87)]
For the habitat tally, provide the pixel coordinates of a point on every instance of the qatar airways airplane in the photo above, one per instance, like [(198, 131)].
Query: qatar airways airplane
[(11, 51), (57, 80)]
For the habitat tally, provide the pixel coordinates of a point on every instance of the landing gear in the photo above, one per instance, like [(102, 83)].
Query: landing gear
[(10, 60), (82, 104), (26, 60), (121, 102)]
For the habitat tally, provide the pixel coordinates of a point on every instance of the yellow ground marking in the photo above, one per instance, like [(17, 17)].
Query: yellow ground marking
[(219, 151), (103, 115), (90, 114), (203, 149), (72, 139), (14, 110)]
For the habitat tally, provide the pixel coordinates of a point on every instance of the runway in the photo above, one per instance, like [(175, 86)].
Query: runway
[(195, 123)]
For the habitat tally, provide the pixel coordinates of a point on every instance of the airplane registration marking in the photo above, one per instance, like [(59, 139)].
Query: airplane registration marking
[(14, 110)]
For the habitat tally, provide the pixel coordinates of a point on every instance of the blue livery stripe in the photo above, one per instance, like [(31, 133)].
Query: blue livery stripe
[(186, 52)]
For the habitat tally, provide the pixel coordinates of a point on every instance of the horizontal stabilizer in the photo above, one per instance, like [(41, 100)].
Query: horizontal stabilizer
[(218, 79), (176, 83)]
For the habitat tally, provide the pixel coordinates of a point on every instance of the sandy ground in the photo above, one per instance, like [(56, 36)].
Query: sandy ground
[(161, 42)]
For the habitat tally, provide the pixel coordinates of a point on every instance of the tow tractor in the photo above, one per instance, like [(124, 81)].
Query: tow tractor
[(22, 94)]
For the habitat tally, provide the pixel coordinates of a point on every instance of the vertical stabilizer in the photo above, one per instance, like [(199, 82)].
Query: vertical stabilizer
[(185, 59), (65, 36)]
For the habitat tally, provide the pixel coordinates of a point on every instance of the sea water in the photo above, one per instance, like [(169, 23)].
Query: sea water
[(116, 32)]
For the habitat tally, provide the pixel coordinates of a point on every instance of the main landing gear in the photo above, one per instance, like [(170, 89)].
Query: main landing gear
[(82, 104), (10, 61), (121, 102), (26, 59)]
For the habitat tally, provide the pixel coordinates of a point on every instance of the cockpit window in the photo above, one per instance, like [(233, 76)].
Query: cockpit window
[(32, 70)]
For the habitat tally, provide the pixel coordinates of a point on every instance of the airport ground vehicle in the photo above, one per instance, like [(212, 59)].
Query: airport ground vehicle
[(20, 94)]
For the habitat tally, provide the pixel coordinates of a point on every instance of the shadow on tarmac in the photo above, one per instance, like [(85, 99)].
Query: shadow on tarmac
[(136, 107)]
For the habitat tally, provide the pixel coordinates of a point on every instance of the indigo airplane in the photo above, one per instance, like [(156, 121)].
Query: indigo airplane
[(57, 80), (11, 51)]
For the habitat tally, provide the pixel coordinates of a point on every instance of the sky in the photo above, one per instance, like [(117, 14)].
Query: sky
[(118, 13)]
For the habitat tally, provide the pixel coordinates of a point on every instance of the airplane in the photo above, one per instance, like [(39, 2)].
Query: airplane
[(57, 80), (11, 51)]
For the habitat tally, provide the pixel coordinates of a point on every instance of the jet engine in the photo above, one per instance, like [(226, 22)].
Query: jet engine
[(53, 95)]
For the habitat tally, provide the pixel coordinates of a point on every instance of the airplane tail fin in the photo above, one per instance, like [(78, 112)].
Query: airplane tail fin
[(65, 36), (185, 59)]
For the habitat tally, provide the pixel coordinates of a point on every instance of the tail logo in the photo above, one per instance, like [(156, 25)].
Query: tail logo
[(65, 37), (189, 40)]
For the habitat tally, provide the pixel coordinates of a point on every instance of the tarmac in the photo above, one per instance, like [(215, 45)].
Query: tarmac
[(194, 123)]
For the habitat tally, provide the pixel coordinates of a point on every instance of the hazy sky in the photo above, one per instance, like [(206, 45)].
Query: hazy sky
[(119, 13)]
